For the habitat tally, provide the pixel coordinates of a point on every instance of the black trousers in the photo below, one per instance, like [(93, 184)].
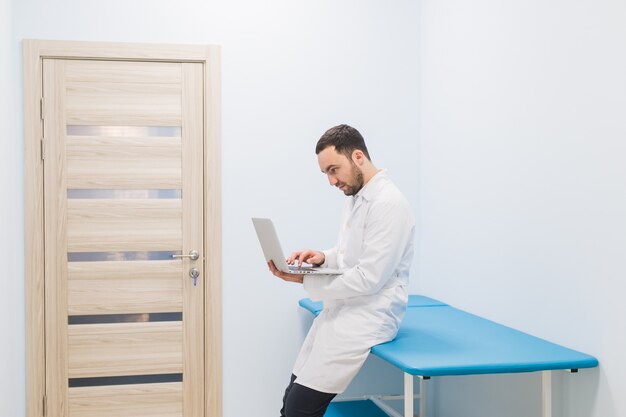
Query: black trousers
[(301, 401)]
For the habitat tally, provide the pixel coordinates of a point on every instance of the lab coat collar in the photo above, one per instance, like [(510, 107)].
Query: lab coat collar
[(372, 187)]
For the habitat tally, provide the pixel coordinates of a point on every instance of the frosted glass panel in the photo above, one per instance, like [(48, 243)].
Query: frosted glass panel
[(124, 318), (125, 131), (93, 193), (120, 256)]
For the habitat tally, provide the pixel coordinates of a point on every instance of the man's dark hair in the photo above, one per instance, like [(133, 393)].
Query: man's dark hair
[(345, 139)]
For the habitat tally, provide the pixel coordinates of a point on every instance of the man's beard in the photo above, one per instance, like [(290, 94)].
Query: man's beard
[(357, 181)]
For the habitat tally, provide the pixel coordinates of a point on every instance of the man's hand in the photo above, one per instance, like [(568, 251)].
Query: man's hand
[(285, 276), (309, 256)]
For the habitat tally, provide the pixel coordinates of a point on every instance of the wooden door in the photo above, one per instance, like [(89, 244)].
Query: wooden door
[(123, 193)]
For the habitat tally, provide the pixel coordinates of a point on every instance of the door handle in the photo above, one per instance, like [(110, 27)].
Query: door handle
[(193, 255)]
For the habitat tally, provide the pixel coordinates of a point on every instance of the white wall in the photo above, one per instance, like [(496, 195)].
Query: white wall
[(12, 374), (522, 186), (290, 70)]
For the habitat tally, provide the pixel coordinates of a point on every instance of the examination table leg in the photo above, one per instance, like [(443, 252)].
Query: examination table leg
[(546, 393), (408, 396)]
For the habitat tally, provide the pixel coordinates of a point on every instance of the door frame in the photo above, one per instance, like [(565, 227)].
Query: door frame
[(34, 52)]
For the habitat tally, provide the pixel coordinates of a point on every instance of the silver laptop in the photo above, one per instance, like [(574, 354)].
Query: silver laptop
[(272, 250)]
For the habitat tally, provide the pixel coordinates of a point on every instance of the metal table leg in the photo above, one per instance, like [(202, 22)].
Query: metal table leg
[(422, 397), (408, 395), (546, 393)]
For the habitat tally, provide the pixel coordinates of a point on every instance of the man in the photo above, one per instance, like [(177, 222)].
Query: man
[(364, 305)]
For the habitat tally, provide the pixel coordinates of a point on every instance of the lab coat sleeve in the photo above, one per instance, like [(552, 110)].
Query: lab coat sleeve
[(386, 236), (330, 258)]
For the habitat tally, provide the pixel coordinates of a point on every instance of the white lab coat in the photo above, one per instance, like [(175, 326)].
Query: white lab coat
[(363, 307)]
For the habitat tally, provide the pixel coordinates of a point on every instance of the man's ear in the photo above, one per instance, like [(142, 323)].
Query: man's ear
[(358, 157)]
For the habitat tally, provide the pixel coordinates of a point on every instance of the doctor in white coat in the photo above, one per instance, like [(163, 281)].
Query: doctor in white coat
[(364, 305)]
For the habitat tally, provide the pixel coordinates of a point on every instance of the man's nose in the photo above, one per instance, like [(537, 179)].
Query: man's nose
[(332, 180)]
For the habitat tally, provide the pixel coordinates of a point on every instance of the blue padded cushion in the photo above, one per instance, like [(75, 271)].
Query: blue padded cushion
[(354, 409), (423, 301), (446, 341), (316, 307)]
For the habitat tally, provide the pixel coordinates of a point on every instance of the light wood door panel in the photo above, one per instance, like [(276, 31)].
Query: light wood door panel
[(141, 315), (119, 163), (124, 224), (144, 400), (105, 98), (118, 287), (133, 72), (115, 349)]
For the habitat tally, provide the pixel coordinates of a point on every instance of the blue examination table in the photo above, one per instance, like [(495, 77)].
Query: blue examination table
[(436, 339)]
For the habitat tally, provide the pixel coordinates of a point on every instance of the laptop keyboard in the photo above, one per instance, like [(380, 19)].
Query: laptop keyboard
[(304, 268)]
